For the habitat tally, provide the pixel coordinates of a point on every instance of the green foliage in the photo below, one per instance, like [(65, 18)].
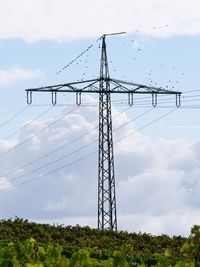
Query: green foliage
[(80, 237), (191, 248), (32, 254), (81, 247)]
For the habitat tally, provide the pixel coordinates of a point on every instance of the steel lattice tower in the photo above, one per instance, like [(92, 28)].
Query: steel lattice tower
[(107, 217), (104, 86)]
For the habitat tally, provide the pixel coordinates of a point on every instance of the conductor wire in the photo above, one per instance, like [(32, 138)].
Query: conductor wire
[(13, 117), (36, 134), (92, 153), (78, 150)]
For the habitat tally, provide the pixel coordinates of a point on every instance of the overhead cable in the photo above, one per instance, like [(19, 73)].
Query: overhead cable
[(29, 123), (77, 150), (90, 154), (59, 148), (36, 134), (14, 116)]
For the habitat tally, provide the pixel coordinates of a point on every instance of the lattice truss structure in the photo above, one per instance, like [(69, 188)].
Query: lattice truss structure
[(104, 85)]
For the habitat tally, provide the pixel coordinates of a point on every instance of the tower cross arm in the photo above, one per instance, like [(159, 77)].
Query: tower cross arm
[(121, 86), (78, 86), (116, 86)]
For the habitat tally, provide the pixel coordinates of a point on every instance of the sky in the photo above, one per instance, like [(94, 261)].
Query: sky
[(49, 154)]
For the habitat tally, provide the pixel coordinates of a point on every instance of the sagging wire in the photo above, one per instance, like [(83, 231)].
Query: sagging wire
[(59, 148), (29, 123), (36, 134), (90, 154)]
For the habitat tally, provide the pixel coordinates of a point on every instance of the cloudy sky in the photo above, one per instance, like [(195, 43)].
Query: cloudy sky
[(49, 153)]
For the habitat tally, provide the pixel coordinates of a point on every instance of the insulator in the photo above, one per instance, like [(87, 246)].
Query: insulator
[(178, 100), (130, 99), (78, 99), (53, 98), (29, 97), (154, 100)]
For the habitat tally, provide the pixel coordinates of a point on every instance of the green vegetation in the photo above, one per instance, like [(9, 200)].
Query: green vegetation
[(82, 246)]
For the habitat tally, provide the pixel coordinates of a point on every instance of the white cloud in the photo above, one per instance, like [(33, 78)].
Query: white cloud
[(157, 183), (5, 184), (35, 20), (178, 222), (16, 74)]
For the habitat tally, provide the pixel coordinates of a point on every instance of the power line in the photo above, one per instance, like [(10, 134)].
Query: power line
[(139, 116), (176, 24), (146, 125), (135, 101), (160, 107), (164, 26), (191, 91), (58, 169), (59, 148), (166, 102), (29, 123), (51, 162), (75, 59), (36, 134), (162, 101), (90, 154), (77, 150), (14, 116), (14, 104), (190, 96)]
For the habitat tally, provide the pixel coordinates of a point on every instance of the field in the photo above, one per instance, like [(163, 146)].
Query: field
[(24, 243)]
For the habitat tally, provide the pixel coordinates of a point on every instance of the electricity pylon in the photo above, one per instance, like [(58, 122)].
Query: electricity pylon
[(104, 86)]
